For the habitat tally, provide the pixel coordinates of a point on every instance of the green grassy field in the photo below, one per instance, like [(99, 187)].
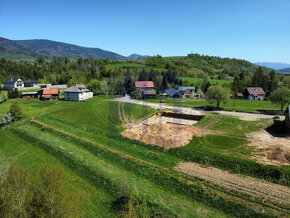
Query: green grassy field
[(236, 104), (211, 81), (108, 176)]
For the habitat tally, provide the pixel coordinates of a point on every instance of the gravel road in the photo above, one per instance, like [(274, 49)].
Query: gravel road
[(188, 110)]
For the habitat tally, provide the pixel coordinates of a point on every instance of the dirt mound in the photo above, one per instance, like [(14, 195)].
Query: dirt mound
[(279, 154), (270, 150), (167, 135)]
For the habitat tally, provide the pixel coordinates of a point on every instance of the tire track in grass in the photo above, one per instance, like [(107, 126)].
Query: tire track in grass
[(174, 174)]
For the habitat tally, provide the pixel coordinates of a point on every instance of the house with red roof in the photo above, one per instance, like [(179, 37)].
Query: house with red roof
[(254, 93), (144, 85), (146, 88), (48, 94)]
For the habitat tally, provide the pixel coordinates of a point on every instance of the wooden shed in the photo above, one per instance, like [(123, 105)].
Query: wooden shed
[(48, 94)]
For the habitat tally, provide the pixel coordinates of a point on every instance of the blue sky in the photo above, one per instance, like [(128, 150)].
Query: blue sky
[(255, 30)]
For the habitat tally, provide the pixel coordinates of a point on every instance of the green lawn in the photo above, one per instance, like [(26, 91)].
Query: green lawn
[(107, 176), (211, 81), (126, 65), (241, 105)]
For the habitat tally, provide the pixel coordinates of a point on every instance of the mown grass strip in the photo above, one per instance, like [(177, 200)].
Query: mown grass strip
[(168, 178), (87, 164)]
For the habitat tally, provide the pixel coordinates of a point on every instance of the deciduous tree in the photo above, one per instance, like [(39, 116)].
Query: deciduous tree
[(281, 96), (217, 94)]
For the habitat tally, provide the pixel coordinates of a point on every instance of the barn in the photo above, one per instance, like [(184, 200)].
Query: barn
[(48, 94)]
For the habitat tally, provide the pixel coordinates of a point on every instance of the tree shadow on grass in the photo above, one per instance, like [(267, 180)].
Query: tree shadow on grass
[(279, 129)]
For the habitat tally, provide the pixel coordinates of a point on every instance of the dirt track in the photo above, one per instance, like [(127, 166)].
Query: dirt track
[(265, 191)]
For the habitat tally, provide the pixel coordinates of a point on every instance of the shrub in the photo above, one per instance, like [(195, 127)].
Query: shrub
[(15, 111), (13, 93), (3, 97), (5, 119), (136, 94)]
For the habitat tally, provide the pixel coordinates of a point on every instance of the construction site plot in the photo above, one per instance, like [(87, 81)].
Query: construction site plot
[(168, 132)]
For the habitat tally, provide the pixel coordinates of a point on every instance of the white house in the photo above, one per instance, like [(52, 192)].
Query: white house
[(11, 83), (186, 91), (77, 93)]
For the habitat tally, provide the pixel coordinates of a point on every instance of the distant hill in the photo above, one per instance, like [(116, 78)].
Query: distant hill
[(285, 69), (136, 56), (53, 48), (12, 47), (275, 66), (32, 48)]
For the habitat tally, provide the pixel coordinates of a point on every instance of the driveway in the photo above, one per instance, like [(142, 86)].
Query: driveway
[(188, 110), (38, 87)]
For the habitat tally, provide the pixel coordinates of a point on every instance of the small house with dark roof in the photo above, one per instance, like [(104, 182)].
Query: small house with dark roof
[(77, 93), (181, 92), (172, 93), (48, 94), (254, 93), (287, 117), (146, 94), (11, 83), (239, 95), (30, 83)]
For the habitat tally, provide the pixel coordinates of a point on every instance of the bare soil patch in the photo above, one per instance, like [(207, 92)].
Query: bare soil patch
[(267, 192), (163, 132), (270, 150)]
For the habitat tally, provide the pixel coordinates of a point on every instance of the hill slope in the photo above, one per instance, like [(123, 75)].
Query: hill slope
[(136, 56), (285, 70), (53, 48), (12, 47), (27, 49)]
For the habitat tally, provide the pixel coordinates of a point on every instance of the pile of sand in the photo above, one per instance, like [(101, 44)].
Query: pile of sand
[(270, 150), (279, 154), (167, 135)]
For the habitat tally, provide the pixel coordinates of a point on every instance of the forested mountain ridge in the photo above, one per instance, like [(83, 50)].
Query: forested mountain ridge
[(12, 47), (60, 49), (30, 49), (193, 65)]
